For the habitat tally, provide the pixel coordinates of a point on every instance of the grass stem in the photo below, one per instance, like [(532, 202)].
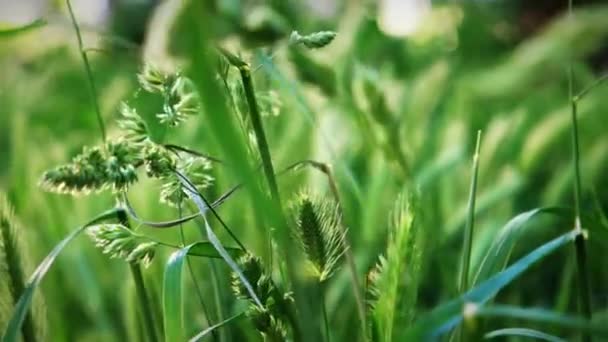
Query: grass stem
[(468, 230), (89, 72), (584, 290), (140, 289), (325, 316)]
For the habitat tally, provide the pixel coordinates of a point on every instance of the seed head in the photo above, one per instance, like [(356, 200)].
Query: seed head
[(314, 40)]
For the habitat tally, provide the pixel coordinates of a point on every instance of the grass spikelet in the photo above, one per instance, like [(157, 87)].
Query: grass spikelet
[(315, 40), (86, 173), (132, 123), (95, 170), (118, 241), (393, 283), (319, 234), (12, 270), (269, 321)]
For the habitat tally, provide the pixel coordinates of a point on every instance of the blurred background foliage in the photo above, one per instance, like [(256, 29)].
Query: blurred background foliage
[(391, 107)]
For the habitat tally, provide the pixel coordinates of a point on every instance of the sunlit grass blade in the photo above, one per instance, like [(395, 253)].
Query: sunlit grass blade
[(212, 328), (6, 32), (523, 332), (12, 331), (449, 315), (499, 251)]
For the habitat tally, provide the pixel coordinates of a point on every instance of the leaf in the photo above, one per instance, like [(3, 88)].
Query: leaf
[(207, 331), (539, 315), (173, 312), (12, 331), (207, 250), (203, 207), (13, 31), (447, 316), (499, 252), (523, 332)]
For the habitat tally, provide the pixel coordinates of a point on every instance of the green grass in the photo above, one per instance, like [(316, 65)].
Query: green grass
[(397, 237)]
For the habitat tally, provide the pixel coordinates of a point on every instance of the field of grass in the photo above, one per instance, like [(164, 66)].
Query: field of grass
[(256, 170)]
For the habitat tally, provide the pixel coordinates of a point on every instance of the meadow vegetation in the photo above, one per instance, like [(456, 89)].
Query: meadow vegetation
[(256, 171)]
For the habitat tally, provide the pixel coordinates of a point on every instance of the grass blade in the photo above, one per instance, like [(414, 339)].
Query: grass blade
[(523, 332), (468, 233), (207, 331), (539, 315), (203, 207), (172, 286), (500, 250), (12, 331), (449, 315), (13, 31)]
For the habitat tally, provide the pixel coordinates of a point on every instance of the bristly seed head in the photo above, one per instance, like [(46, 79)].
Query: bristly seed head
[(319, 233)]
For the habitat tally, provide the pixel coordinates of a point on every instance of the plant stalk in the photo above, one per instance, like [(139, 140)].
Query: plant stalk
[(142, 295), (278, 218), (258, 128), (584, 289), (89, 72), (468, 233), (325, 316)]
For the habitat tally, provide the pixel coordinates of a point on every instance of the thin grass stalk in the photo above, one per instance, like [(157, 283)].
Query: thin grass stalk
[(260, 135), (142, 295), (584, 289), (89, 72), (279, 218), (468, 231), (324, 312)]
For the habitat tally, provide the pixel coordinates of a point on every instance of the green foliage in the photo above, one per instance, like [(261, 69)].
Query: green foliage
[(384, 117)]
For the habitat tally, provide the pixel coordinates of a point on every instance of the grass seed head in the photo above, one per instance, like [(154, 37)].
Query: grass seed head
[(319, 234)]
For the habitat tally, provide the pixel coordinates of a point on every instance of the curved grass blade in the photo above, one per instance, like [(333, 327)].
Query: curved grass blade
[(499, 252), (523, 332), (539, 315), (207, 250), (449, 315), (14, 326), (203, 207), (12, 31), (212, 328), (172, 286)]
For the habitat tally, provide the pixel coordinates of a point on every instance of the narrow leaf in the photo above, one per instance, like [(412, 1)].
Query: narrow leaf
[(499, 252), (12, 31), (523, 332), (447, 316), (12, 331), (539, 315), (202, 206), (209, 330)]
